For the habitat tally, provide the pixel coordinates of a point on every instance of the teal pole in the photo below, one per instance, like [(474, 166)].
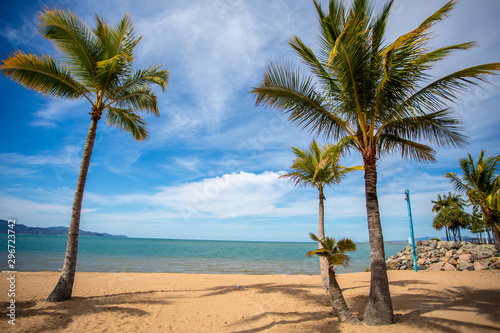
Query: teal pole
[(407, 192)]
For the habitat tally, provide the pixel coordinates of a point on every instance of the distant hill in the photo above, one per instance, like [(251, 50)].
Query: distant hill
[(54, 231)]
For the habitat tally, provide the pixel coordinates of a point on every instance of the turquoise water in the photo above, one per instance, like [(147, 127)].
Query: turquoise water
[(108, 254)]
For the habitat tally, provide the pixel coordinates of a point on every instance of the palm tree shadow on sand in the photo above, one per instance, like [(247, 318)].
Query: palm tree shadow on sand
[(61, 315), (426, 305)]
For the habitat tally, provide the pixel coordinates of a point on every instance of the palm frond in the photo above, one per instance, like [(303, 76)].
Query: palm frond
[(146, 77), (318, 68), (332, 250), (389, 143), (435, 95), (75, 40), (438, 127), (128, 121), (119, 42), (42, 73), (285, 89), (137, 99), (437, 16)]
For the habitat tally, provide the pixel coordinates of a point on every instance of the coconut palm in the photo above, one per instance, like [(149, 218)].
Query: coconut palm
[(443, 205), (375, 98), (477, 226), (96, 65), (334, 253), (318, 167), (453, 218), (481, 183)]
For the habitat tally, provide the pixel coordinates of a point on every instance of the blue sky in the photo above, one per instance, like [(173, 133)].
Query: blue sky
[(210, 168)]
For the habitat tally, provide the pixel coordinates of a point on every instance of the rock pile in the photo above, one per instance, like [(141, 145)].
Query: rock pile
[(446, 256)]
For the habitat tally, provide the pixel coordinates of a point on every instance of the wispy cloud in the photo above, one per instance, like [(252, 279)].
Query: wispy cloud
[(54, 111)]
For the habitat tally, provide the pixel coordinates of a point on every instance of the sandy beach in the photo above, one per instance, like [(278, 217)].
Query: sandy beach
[(164, 302)]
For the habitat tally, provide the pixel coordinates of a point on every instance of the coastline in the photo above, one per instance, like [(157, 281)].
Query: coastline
[(160, 302)]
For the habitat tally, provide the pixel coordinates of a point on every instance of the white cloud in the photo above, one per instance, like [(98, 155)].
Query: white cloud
[(54, 111), (231, 195), (29, 211)]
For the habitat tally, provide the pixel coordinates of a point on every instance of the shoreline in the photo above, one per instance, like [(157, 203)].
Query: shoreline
[(433, 301)]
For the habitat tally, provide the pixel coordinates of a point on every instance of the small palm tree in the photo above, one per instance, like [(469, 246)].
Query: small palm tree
[(452, 218), (318, 167), (334, 253), (96, 66), (445, 218), (481, 183), (374, 98)]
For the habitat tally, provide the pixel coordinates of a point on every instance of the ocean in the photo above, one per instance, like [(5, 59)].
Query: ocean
[(110, 254)]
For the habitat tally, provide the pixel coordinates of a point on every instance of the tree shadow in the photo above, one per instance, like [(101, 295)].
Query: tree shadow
[(311, 317), (484, 302), (61, 315), (404, 283), (318, 321)]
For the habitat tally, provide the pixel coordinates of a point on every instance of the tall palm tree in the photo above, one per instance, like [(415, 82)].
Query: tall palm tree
[(318, 167), (481, 183), (96, 65), (375, 99), (334, 253)]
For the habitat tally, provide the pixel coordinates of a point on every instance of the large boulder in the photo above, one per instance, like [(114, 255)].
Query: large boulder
[(464, 258), (479, 266), (448, 267), (453, 245), (465, 266), (436, 267)]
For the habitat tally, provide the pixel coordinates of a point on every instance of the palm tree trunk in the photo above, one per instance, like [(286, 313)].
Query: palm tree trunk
[(378, 310), (496, 234), (64, 287), (447, 234), (323, 262), (492, 222), (339, 305)]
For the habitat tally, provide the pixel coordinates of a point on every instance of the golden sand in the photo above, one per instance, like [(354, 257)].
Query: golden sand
[(166, 302)]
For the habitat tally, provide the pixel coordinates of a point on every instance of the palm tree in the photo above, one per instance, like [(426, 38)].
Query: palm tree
[(453, 218), (445, 207), (334, 253), (477, 226), (96, 66), (318, 167), (375, 99), (481, 183)]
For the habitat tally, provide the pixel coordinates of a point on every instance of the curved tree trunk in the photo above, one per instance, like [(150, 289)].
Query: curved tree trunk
[(378, 310), (323, 262), (339, 305), (64, 287)]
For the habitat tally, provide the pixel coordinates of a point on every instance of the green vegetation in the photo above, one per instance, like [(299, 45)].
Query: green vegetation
[(319, 167), (450, 214), (96, 65), (334, 253), (481, 183), (373, 98)]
